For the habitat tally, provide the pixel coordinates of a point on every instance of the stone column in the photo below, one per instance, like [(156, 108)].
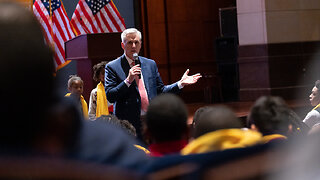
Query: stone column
[(278, 47)]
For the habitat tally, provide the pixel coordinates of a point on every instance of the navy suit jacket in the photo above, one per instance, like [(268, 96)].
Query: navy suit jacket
[(127, 101)]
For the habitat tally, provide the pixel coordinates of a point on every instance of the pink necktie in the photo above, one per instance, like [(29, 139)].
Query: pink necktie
[(143, 92)]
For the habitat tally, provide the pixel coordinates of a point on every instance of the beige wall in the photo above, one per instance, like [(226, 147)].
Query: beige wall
[(276, 21)]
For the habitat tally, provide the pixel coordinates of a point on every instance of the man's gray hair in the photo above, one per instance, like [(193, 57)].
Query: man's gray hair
[(130, 31)]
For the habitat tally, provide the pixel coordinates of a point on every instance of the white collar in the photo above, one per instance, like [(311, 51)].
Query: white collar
[(128, 59)]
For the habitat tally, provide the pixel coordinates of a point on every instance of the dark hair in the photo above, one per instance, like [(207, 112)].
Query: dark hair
[(26, 76), (166, 118), (72, 79), (130, 129), (299, 128), (216, 118), (270, 115), (97, 69), (199, 112), (124, 124)]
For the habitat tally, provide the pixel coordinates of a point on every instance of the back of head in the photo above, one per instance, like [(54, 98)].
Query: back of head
[(199, 112), (299, 128), (270, 115), (166, 118), (26, 74), (124, 124), (110, 119), (216, 118), (130, 129)]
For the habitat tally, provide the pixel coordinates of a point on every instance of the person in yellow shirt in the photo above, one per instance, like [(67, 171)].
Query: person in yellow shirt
[(75, 87)]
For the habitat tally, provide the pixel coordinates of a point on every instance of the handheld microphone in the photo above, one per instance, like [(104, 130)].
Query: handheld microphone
[(137, 61)]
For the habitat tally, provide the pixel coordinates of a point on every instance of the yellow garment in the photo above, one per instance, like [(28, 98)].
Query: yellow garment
[(267, 138), (142, 148), (83, 104), (316, 107), (102, 103), (221, 140)]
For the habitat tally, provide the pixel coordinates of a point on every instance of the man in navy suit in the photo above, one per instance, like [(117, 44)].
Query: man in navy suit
[(130, 86)]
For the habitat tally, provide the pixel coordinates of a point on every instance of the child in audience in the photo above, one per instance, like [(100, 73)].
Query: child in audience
[(299, 128), (270, 116), (75, 87), (218, 128), (199, 112), (124, 124), (215, 118), (98, 104), (166, 125)]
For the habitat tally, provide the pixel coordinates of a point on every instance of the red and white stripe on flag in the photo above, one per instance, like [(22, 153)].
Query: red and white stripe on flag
[(57, 28), (96, 16)]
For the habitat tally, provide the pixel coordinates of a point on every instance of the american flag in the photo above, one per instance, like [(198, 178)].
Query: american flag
[(96, 16), (56, 27)]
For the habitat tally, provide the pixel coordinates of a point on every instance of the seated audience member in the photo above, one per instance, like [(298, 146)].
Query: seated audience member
[(75, 87), (124, 124), (299, 128), (270, 116), (34, 120), (26, 77), (98, 104), (218, 128), (106, 144), (313, 117), (166, 125), (216, 118), (130, 129), (199, 112)]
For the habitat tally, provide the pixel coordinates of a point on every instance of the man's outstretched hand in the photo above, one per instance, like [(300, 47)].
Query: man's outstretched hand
[(188, 80)]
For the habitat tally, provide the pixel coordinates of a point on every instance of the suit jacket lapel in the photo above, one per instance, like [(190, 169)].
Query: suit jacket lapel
[(125, 66), (144, 72)]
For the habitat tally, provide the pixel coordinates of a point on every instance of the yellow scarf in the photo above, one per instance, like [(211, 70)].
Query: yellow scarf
[(142, 148), (102, 103), (267, 138), (221, 140), (83, 104), (316, 107)]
